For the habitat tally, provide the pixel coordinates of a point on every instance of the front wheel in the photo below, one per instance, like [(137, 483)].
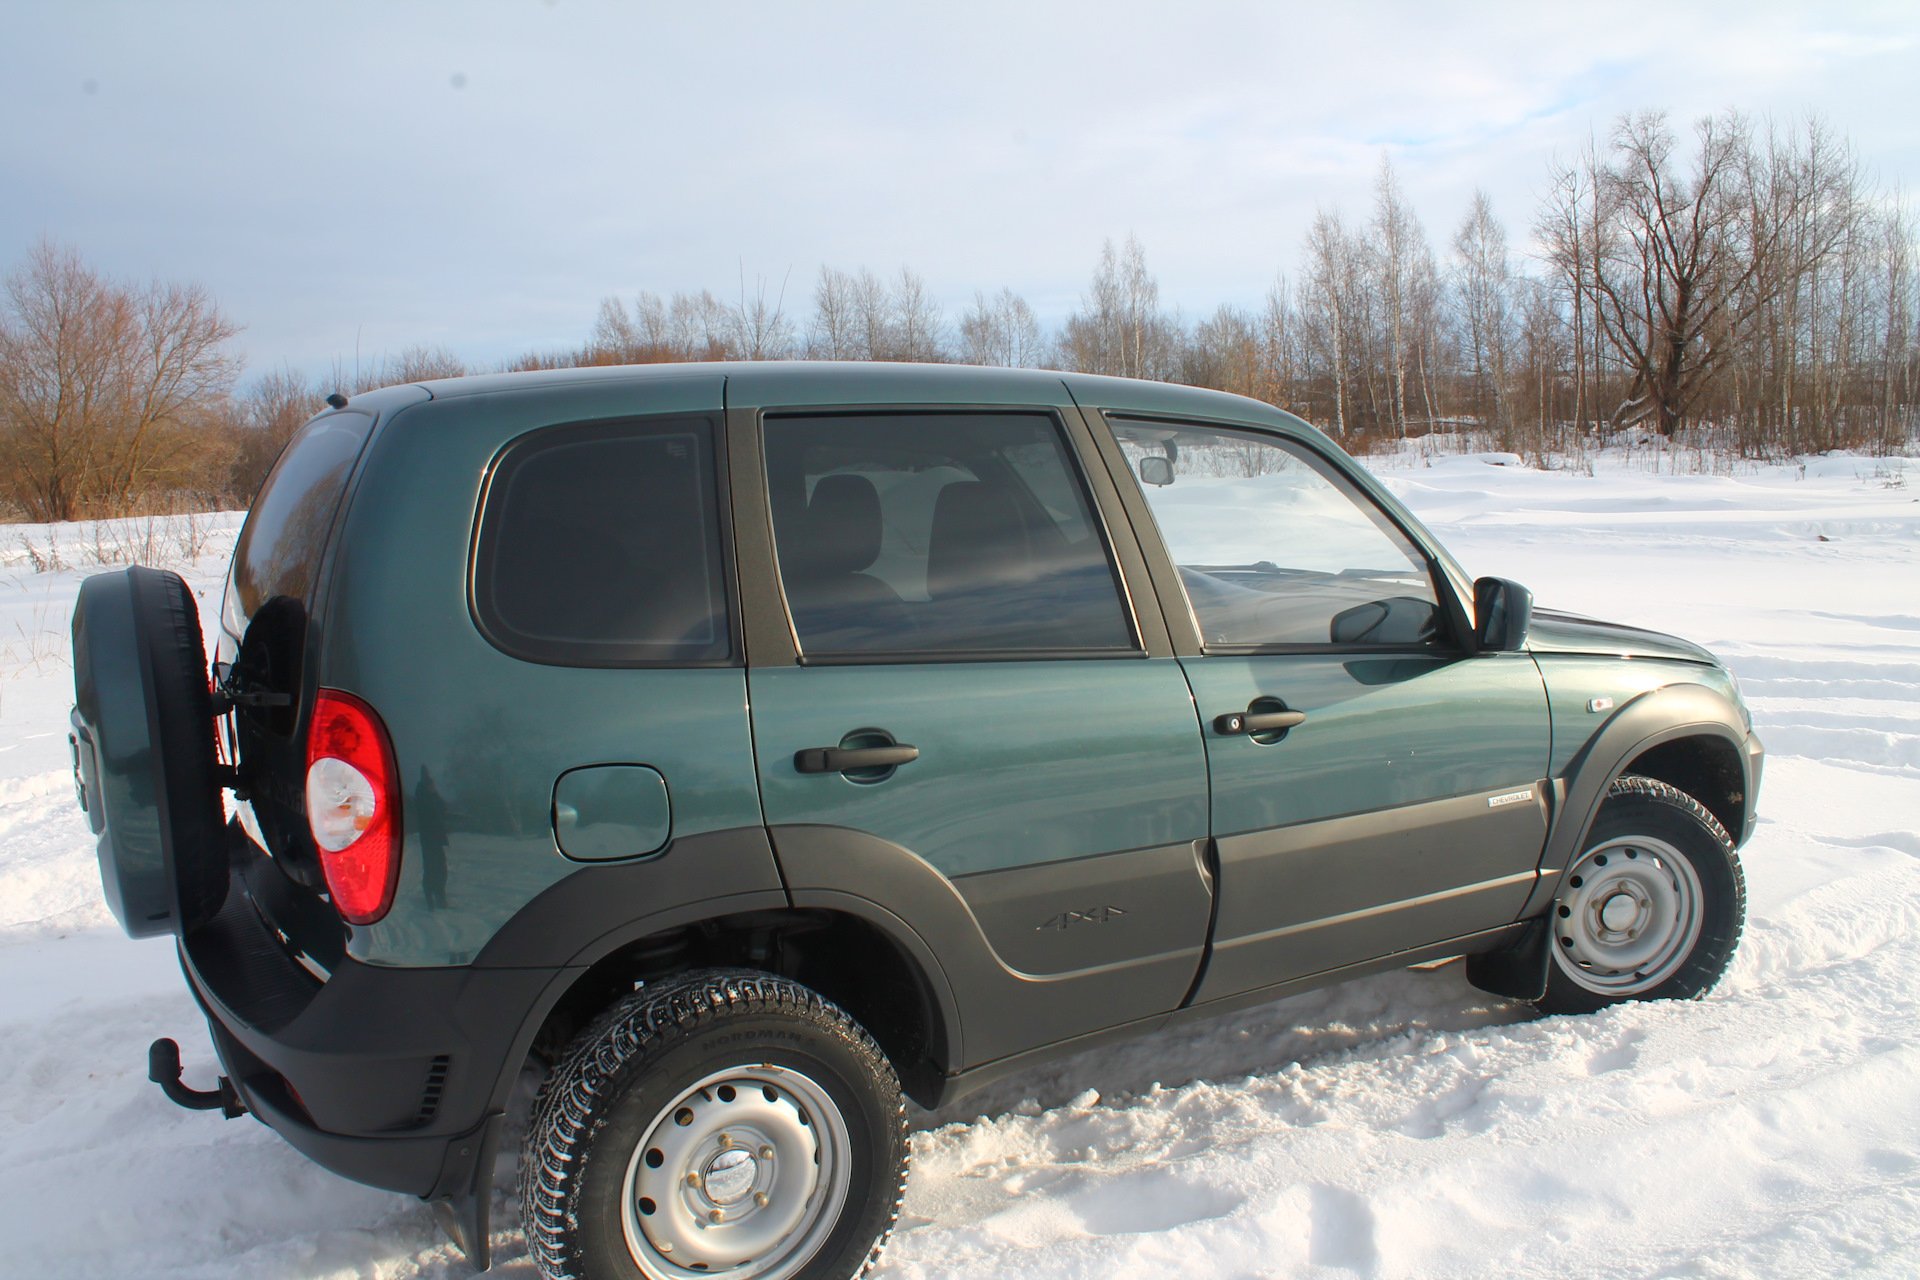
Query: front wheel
[(722, 1123), (1652, 910)]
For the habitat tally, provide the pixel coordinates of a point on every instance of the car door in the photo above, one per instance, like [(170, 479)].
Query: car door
[(968, 732), (1376, 786)]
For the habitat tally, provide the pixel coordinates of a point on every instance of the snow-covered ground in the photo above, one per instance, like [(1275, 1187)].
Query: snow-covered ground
[(1401, 1126)]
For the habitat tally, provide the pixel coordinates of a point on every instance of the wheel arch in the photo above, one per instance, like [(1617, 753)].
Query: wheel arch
[(836, 953), (1704, 765), (1686, 735)]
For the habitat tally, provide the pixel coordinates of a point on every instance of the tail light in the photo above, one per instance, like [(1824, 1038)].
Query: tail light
[(353, 805)]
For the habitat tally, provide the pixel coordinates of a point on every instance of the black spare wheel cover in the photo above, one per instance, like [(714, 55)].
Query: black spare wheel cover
[(143, 750)]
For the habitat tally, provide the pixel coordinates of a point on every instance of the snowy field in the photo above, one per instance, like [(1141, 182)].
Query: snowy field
[(1401, 1126)]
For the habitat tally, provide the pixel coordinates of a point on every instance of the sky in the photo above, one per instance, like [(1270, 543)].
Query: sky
[(353, 178)]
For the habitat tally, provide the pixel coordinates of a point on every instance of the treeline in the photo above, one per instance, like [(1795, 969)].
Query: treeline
[(1746, 288)]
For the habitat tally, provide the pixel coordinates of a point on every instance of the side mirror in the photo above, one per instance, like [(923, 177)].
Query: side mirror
[(1156, 471), (1502, 608)]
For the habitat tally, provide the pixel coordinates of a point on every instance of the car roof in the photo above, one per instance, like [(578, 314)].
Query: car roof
[(888, 383)]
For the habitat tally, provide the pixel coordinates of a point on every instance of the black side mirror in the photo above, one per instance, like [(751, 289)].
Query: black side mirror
[(1502, 608)]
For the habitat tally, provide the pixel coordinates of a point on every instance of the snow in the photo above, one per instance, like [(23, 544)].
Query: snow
[(1400, 1126)]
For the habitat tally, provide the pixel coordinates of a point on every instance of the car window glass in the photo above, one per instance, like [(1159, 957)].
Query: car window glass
[(1272, 547), (600, 545), (938, 533), (281, 545)]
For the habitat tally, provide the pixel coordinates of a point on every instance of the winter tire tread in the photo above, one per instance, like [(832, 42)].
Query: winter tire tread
[(621, 1045)]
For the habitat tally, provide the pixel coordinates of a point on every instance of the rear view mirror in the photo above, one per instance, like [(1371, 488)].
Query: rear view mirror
[(1502, 609), (1156, 471)]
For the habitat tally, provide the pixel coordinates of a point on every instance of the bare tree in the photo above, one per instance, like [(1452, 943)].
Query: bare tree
[(1899, 340), (1001, 330), (834, 332), (1120, 328), (918, 329), (1224, 352), (1332, 306), (1401, 257), (1280, 355), (756, 328), (102, 385), (873, 314), (1482, 288), (1698, 256), (616, 337), (421, 362), (269, 412), (1569, 226)]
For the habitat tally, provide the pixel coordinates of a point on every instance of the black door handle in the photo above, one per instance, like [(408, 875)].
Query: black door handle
[(841, 759), (1257, 721)]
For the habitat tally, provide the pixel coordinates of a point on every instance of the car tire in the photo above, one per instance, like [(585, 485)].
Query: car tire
[(140, 690), (1653, 907), (724, 1122)]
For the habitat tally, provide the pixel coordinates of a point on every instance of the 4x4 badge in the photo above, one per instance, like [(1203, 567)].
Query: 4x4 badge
[(1092, 915)]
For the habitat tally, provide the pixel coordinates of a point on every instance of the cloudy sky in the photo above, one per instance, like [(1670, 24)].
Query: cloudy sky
[(479, 175)]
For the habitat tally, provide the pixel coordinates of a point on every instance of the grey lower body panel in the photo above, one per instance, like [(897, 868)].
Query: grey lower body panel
[(960, 1084), (1302, 900), (1030, 956)]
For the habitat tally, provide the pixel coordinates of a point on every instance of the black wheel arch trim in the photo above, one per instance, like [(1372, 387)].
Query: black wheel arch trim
[(588, 917), (1667, 714)]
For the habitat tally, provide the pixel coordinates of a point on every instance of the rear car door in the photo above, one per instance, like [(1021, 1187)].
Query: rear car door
[(1376, 786), (1026, 787)]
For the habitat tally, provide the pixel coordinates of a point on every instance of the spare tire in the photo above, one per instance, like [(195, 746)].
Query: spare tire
[(143, 750)]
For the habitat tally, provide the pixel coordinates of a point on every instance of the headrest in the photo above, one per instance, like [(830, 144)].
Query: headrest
[(843, 526), (978, 541)]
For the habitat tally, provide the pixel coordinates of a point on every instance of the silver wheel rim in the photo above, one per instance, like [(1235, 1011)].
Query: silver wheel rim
[(1627, 916), (743, 1175)]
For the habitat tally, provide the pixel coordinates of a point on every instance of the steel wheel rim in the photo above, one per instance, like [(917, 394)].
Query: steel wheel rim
[(1627, 916), (743, 1175)]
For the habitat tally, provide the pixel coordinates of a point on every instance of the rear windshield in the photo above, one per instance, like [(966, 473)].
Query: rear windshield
[(280, 548)]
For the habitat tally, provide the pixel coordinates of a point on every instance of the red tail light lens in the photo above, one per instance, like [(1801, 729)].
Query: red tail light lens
[(353, 805)]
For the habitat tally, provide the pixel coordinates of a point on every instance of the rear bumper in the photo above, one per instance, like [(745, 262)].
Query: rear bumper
[(396, 1078)]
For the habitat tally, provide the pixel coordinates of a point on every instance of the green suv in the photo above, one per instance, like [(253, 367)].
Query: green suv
[(747, 747)]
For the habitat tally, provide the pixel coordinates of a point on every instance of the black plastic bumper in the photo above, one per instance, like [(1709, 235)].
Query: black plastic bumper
[(397, 1078)]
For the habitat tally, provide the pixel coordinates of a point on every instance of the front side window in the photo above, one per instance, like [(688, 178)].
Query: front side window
[(931, 533), (1274, 547), (600, 546)]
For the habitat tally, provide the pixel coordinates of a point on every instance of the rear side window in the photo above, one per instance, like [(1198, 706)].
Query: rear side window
[(600, 546), (955, 534), (279, 552)]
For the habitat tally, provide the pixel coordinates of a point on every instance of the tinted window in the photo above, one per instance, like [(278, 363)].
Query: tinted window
[(280, 548), (1274, 546), (938, 533), (600, 545)]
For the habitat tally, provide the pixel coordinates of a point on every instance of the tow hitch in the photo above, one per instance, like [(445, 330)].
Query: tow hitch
[(163, 1068)]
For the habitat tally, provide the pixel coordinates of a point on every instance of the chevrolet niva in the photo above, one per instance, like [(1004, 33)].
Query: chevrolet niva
[(744, 748)]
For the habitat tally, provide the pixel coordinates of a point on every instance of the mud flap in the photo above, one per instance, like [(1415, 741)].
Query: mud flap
[(1518, 970), (462, 1203)]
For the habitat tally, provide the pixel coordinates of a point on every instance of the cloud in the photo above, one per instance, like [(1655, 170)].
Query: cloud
[(481, 174)]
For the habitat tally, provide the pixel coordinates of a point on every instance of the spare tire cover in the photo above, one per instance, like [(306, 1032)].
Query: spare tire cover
[(143, 750)]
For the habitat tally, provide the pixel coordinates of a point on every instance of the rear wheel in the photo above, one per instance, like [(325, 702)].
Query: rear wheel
[(724, 1123), (1652, 910)]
